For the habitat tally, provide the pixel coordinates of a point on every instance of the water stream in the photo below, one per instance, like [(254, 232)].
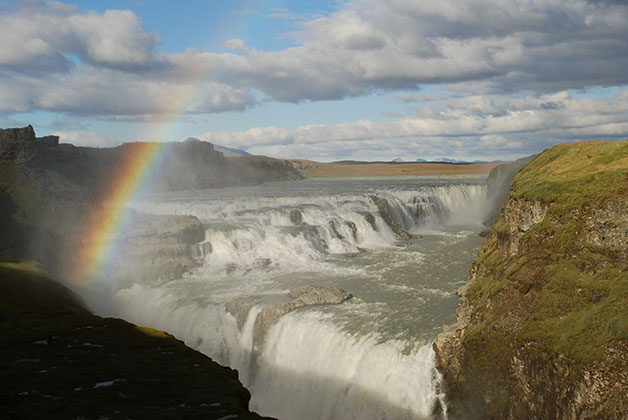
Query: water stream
[(369, 357)]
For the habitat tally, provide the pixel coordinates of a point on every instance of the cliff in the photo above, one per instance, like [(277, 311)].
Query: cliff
[(59, 361), (47, 189), (186, 165), (542, 329)]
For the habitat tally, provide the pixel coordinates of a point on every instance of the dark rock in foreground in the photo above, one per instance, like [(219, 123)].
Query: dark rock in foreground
[(58, 361)]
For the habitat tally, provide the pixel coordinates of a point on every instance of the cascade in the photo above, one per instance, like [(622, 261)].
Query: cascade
[(369, 357)]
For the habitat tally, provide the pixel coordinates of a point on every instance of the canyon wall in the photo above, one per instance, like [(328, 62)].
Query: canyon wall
[(542, 328)]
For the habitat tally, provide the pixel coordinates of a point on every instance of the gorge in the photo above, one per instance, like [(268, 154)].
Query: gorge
[(332, 291)]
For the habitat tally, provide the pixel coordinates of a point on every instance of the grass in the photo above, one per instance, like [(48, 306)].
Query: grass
[(561, 292), (571, 175)]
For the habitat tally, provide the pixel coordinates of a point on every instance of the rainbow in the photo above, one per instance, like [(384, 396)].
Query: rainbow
[(104, 224), (101, 231)]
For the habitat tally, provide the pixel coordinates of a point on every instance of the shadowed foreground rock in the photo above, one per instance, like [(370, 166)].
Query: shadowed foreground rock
[(58, 361)]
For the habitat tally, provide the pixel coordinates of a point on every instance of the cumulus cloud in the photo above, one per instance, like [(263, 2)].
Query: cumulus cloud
[(48, 36), (364, 46), (106, 65), (508, 63), (508, 46), (502, 126)]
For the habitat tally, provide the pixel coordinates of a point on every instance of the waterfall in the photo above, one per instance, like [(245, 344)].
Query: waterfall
[(367, 358)]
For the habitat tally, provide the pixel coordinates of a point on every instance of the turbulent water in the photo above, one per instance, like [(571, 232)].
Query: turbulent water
[(369, 357)]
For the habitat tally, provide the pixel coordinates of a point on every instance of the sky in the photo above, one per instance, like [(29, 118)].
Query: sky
[(322, 80)]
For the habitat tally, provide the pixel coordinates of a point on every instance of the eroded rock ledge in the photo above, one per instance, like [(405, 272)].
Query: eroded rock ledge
[(541, 330), (271, 313)]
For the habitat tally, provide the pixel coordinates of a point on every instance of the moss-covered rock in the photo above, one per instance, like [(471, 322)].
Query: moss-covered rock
[(58, 361), (542, 327)]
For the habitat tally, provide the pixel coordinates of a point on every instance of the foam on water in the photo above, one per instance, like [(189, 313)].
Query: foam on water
[(369, 358), (321, 372)]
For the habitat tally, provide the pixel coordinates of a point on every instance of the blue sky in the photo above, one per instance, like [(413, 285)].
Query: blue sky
[(322, 80)]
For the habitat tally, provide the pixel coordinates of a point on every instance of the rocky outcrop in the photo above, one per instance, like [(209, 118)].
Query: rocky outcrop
[(21, 145), (541, 330), (58, 361), (258, 169), (384, 211), (272, 312), (156, 249), (48, 189)]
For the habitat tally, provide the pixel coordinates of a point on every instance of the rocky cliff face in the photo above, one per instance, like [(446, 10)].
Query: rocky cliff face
[(542, 328), (48, 188)]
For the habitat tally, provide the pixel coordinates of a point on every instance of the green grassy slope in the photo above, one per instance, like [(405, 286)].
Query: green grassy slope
[(578, 296), (548, 295)]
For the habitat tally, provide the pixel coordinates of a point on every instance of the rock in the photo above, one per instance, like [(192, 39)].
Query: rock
[(62, 362), (240, 308), (319, 295), (272, 312), (384, 212), (48, 190), (296, 217), (538, 331), (157, 249), (371, 220), (302, 296), (21, 145)]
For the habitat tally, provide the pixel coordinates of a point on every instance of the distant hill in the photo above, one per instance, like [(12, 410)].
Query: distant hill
[(226, 151), (229, 152)]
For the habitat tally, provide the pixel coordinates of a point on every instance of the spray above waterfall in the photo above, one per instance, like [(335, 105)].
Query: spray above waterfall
[(368, 357)]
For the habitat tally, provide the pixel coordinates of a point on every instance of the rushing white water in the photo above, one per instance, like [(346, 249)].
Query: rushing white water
[(369, 357)]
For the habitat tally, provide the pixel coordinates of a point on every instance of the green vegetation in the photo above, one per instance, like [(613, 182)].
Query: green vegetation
[(58, 361), (563, 291), (572, 175)]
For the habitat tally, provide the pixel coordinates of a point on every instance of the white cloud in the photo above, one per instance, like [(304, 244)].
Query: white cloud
[(85, 138), (365, 46), (45, 37), (510, 64), (467, 127)]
